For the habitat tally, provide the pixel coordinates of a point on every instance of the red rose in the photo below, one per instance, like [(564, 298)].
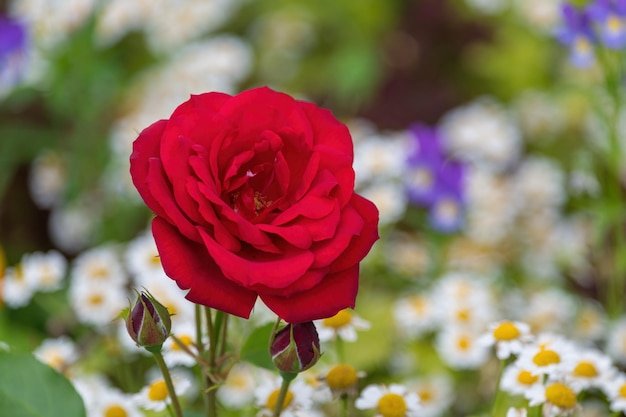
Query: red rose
[(254, 196)]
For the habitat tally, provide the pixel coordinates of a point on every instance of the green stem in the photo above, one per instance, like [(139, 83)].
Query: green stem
[(498, 398), (210, 390), (282, 394), (168, 382), (202, 354)]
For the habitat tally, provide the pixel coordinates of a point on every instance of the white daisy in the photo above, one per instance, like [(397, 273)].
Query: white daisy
[(142, 257), (517, 380), (173, 353), (58, 353), (112, 402), (379, 158), (459, 348), (484, 133), (344, 325), (97, 303), (507, 336), (98, 265), (390, 199), (615, 389), (15, 290), (516, 412), (44, 271), (558, 398), (392, 401), (46, 180), (297, 400), (237, 391), (546, 355), (155, 396), (436, 394), (588, 368), (416, 314)]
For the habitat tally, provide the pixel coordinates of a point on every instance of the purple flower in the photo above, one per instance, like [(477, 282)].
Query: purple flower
[(435, 181), (13, 44), (610, 19), (577, 34)]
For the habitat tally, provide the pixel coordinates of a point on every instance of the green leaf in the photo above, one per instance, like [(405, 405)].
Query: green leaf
[(29, 388), (256, 349)]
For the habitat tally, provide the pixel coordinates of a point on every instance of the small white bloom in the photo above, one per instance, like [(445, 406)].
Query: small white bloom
[(380, 158), (390, 199), (459, 348), (517, 380), (615, 389), (507, 336), (155, 396), (546, 355), (588, 368), (297, 400), (343, 325), (173, 353), (435, 393), (415, 315), (15, 290), (98, 265), (44, 271), (392, 401), (47, 180), (557, 398), (112, 402), (59, 353), (237, 391), (516, 412), (97, 303)]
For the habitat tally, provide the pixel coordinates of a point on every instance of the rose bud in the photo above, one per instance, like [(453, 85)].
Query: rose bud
[(148, 322), (296, 347)]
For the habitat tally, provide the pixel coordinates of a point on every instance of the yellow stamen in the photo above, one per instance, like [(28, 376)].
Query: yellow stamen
[(339, 320), (622, 391), (158, 391), (272, 400), (526, 378), (392, 405), (115, 411), (585, 369), (546, 357), (184, 339), (506, 331), (342, 377), (561, 395)]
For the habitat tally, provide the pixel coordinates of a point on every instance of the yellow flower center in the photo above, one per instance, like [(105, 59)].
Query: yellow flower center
[(185, 339), (447, 208), (463, 343), (418, 304), (96, 299), (339, 320), (614, 24), (463, 315), (155, 259), (546, 357), (426, 395), (622, 391), (272, 400), (392, 405), (582, 45), (561, 395), (99, 271), (115, 411), (585, 369), (171, 308), (506, 331), (526, 378), (157, 391), (421, 178), (342, 377)]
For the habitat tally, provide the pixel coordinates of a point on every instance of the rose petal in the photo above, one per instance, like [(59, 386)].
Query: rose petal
[(361, 244), (191, 267), (275, 271), (336, 292), (328, 251), (146, 146)]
